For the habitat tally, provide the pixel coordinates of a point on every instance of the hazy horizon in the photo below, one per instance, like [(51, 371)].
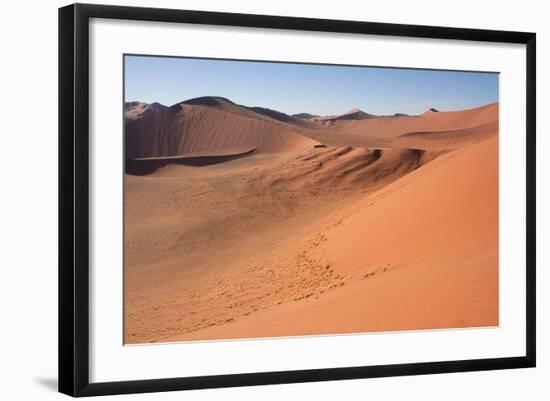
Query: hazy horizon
[(306, 88)]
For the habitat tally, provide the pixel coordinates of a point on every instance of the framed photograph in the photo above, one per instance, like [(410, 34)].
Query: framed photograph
[(250, 199)]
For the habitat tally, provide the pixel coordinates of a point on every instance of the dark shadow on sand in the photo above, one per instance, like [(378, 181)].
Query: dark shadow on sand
[(144, 166)]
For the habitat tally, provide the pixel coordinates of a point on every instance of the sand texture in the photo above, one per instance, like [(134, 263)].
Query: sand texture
[(244, 222)]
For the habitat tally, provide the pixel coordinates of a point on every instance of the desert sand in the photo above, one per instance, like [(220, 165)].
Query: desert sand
[(245, 222)]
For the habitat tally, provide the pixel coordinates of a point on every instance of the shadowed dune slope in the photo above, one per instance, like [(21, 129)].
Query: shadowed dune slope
[(208, 125), (346, 168), (421, 253), (136, 110), (254, 112), (148, 165)]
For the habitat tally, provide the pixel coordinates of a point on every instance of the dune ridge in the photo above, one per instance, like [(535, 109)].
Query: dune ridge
[(445, 140), (187, 128), (381, 131), (346, 168)]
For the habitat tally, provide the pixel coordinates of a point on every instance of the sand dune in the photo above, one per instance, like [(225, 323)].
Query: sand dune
[(379, 132), (253, 112), (347, 168), (245, 227), (203, 244), (352, 115), (209, 124), (355, 114), (212, 124), (401, 265), (239, 222)]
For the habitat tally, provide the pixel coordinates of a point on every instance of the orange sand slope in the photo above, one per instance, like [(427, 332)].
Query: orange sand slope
[(209, 124), (245, 222), (421, 253)]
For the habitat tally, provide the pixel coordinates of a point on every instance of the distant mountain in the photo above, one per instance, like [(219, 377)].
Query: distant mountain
[(135, 110), (354, 114), (304, 116), (430, 111), (226, 104)]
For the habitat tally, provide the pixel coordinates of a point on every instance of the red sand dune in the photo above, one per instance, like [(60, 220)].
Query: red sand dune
[(382, 130), (203, 126), (421, 253), (346, 168), (299, 237)]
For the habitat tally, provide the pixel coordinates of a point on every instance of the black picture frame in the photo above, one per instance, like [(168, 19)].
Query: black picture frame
[(74, 192)]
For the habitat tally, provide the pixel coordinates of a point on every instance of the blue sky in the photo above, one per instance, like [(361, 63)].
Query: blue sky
[(315, 89)]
